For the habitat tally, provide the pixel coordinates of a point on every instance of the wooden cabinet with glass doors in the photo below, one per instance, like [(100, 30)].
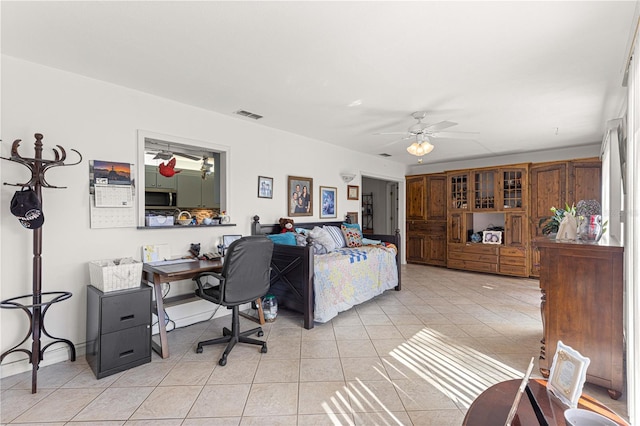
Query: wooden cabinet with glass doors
[(497, 191), (521, 194)]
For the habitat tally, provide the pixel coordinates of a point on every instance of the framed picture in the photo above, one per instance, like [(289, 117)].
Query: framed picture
[(568, 374), (353, 192), (328, 205), (300, 196), (265, 187), (492, 237), (516, 400), (353, 217)]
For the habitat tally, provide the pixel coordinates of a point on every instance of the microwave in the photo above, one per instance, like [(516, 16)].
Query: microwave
[(160, 199)]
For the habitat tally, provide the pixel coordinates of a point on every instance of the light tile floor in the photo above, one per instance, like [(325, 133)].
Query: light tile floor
[(419, 356)]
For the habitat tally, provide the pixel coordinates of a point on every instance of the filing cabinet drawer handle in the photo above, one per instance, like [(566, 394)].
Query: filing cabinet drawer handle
[(126, 353), (127, 317)]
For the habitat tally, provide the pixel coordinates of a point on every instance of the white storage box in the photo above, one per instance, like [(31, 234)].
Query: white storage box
[(158, 220), (115, 274)]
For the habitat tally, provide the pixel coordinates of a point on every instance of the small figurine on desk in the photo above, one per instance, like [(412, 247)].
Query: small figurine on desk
[(195, 250)]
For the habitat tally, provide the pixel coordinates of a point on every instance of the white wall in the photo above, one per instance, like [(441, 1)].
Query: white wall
[(101, 121)]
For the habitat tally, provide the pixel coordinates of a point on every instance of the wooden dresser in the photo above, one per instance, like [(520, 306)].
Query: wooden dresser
[(582, 305)]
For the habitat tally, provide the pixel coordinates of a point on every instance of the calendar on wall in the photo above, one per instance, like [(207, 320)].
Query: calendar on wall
[(112, 195)]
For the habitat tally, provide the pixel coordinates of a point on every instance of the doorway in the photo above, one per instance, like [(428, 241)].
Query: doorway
[(382, 205)]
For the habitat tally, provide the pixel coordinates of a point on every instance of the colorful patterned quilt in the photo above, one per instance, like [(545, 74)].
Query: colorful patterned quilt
[(349, 276)]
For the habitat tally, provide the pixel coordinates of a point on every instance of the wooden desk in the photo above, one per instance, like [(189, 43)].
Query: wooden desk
[(493, 405), (156, 275)]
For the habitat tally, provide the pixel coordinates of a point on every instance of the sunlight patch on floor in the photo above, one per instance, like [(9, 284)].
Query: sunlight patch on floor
[(456, 370), (460, 372)]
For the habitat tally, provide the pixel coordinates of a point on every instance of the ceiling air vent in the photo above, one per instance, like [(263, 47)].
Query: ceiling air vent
[(384, 154), (248, 114)]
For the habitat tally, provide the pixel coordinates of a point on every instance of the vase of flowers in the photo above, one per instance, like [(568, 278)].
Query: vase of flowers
[(551, 224), (590, 226)]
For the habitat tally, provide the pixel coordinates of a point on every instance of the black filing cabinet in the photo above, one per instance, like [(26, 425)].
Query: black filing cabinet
[(118, 329)]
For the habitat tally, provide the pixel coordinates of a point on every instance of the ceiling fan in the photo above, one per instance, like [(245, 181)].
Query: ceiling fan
[(423, 132), (168, 155)]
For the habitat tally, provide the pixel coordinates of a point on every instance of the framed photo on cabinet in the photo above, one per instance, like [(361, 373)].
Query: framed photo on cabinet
[(492, 237)]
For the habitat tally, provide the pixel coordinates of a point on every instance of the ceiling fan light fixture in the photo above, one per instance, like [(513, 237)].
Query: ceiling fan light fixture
[(420, 149)]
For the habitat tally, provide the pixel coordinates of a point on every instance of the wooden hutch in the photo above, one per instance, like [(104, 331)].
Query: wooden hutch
[(444, 210)]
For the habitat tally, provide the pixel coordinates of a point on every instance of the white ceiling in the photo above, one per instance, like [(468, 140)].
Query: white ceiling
[(526, 75)]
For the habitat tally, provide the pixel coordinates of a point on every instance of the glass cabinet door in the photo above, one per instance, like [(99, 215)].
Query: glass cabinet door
[(458, 191), (512, 188), (484, 190)]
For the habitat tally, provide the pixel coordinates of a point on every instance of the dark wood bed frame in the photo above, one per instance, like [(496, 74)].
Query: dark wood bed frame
[(292, 268)]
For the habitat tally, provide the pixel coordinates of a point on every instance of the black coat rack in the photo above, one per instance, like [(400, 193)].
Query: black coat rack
[(37, 303)]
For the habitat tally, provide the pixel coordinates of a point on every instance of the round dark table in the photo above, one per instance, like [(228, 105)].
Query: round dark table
[(493, 405)]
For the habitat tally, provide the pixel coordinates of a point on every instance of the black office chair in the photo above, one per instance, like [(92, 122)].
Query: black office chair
[(244, 278)]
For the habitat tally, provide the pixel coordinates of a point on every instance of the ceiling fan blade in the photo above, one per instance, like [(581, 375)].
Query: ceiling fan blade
[(440, 126), (392, 133), (397, 140), (189, 156), (455, 135), (163, 155)]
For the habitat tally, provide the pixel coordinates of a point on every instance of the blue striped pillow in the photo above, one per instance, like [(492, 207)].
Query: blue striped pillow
[(336, 235)]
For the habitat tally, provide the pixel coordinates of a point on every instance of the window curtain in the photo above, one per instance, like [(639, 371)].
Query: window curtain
[(632, 231)]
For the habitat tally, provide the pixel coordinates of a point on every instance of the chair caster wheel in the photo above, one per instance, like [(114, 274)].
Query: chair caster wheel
[(199, 350), (264, 349), (223, 361), (260, 333)]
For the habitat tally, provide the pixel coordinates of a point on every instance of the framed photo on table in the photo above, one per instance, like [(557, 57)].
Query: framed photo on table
[(328, 204), (353, 192), (300, 196), (265, 187), (568, 374)]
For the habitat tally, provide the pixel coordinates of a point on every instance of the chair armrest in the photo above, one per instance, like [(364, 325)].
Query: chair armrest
[(198, 279)]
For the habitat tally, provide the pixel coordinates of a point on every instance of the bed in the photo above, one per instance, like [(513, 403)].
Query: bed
[(304, 282)]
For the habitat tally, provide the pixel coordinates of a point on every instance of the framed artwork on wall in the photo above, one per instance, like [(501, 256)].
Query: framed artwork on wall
[(328, 205), (265, 187), (300, 196), (353, 192), (353, 217)]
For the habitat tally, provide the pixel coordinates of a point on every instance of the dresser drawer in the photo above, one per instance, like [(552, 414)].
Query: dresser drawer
[(472, 266), (513, 251), (478, 248), (519, 271), (121, 311), (516, 261), (125, 347), (490, 258)]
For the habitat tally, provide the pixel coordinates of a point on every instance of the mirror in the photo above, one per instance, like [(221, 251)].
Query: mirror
[(180, 175)]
